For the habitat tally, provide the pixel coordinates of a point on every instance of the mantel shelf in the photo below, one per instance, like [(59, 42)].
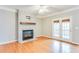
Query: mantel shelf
[(29, 23)]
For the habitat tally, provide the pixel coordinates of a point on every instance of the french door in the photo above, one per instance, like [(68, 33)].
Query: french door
[(62, 29), (65, 29)]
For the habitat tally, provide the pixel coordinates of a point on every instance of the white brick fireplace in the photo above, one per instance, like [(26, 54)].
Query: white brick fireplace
[(35, 27)]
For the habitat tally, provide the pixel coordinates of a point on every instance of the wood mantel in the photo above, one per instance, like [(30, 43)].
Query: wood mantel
[(29, 23)]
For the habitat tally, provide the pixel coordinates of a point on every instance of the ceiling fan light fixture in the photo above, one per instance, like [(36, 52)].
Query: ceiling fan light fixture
[(43, 9)]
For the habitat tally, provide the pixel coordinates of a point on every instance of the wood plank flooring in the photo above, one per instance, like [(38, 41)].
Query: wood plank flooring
[(41, 45)]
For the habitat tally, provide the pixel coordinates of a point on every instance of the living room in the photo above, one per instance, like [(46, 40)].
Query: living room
[(29, 25)]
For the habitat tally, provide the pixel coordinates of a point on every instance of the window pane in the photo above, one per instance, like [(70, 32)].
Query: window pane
[(65, 34), (65, 30), (56, 29)]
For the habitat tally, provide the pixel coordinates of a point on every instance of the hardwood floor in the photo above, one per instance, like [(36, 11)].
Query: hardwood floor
[(41, 45)]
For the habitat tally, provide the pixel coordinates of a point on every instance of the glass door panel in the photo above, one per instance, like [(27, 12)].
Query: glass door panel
[(56, 29), (66, 29)]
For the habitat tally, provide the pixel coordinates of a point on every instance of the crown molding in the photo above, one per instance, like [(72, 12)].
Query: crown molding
[(65, 11), (8, 9)]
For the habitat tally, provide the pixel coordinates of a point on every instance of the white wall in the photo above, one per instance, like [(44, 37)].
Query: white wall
[(74, 15), (47, 27), (22, 17), (7, 26), (75, 31)]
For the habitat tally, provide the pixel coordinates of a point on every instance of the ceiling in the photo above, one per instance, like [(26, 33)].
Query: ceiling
[(41, 10)]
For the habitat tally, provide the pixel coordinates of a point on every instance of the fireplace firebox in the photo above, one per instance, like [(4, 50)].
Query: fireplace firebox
[(27, 34)]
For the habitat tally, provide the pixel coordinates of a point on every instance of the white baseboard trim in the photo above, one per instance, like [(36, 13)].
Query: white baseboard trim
[(7, 42), (42, 36), (71, 42), (54, 38)]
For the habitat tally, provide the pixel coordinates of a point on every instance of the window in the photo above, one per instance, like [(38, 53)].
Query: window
[(56, 27)]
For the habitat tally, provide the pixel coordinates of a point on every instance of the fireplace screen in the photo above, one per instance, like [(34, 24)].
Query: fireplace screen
[(27, 34)]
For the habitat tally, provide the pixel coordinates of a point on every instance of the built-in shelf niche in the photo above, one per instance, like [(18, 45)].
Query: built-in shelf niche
[(29, 23)]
